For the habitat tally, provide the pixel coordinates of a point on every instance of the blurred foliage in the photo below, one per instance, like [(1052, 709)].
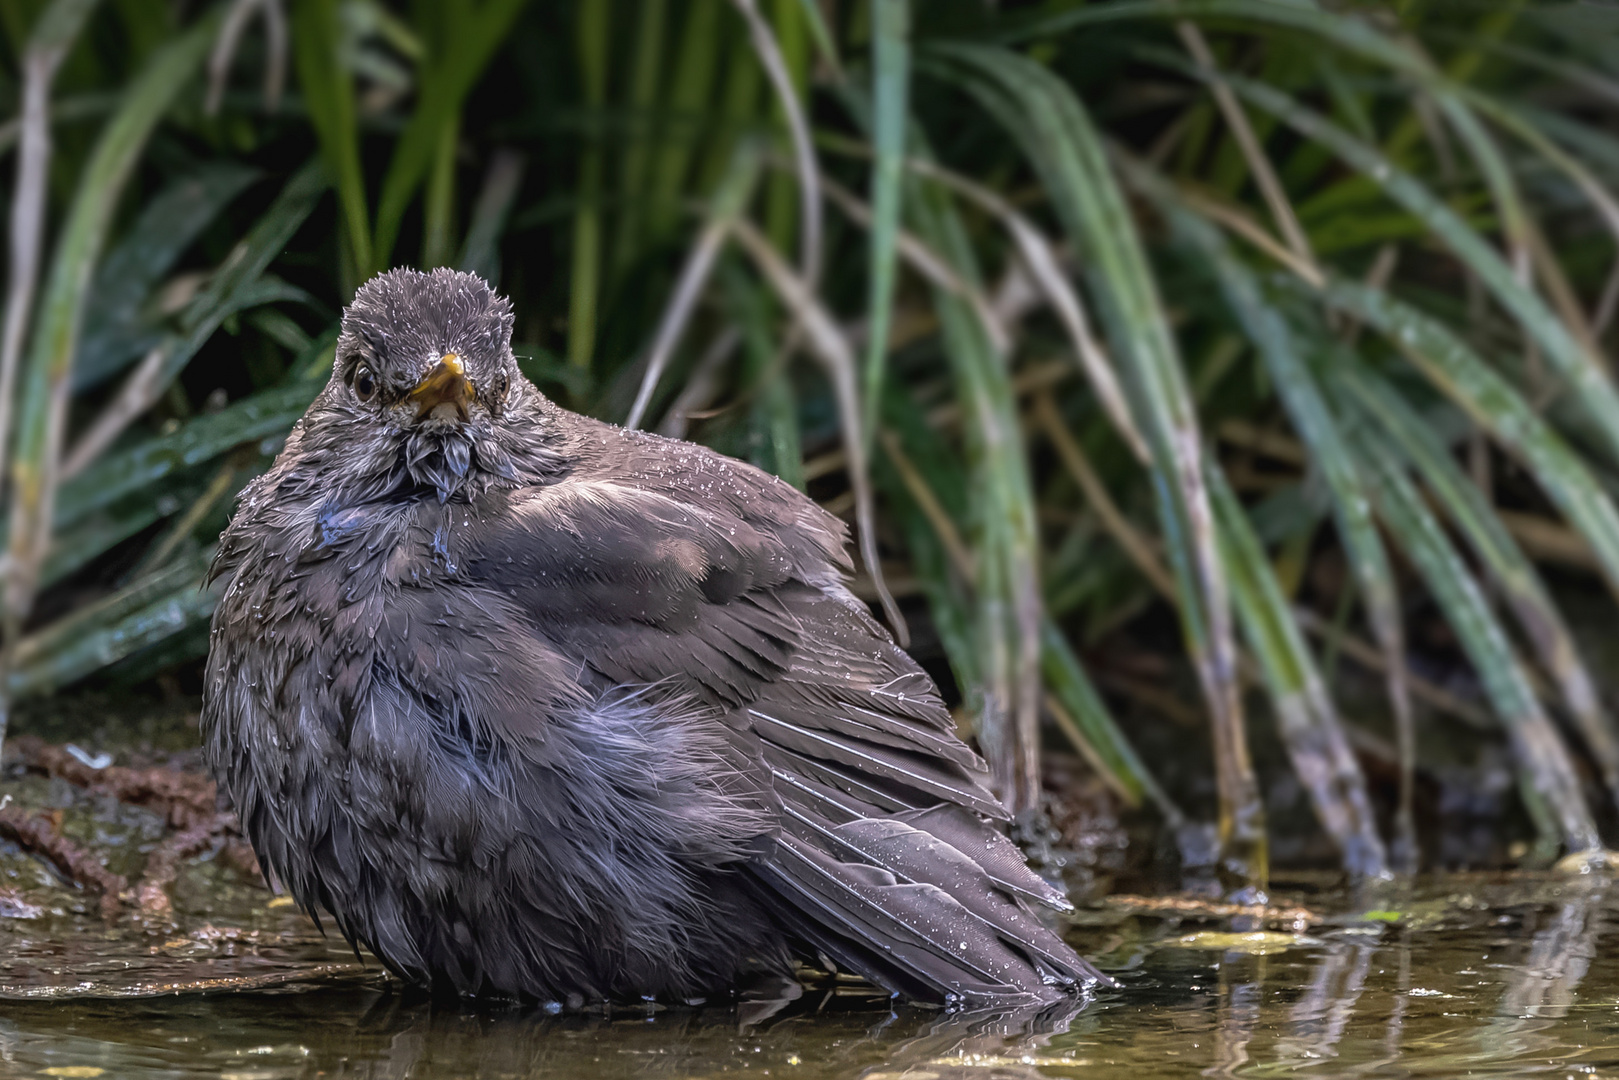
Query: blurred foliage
[(1281, 323)]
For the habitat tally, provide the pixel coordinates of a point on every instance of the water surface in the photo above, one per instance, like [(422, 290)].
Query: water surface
[(1464, 976)]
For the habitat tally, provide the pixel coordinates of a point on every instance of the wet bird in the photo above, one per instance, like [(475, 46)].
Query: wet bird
[(539, 707)]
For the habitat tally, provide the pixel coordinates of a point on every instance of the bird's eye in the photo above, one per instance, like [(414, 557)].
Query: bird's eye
[(365, 383)]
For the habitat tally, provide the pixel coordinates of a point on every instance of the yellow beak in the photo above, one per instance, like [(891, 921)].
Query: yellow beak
[(445, 392)]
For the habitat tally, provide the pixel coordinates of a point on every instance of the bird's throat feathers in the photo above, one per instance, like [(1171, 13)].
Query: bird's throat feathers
[(339, 456), (453, 464)]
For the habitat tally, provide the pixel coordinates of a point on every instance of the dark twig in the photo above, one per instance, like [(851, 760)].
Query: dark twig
[(185, 799), (163, 865), (38, 833), (188, 801)]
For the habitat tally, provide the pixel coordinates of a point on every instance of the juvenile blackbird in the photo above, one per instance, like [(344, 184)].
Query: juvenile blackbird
[(539, 707)]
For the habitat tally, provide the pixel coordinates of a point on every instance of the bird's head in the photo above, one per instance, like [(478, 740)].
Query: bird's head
[(425, 387)]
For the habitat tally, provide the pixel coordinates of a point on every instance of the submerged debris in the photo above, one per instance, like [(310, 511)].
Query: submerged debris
[(1296, 918), (13, 906), (187, 801), (152, 894), (41, 834), (184, 798)]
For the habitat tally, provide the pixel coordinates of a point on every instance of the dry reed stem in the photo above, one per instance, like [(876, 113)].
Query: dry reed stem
[(827, 343), (140, 390), (1130, 540), (931, 265), (809, 173), (1264, 175), (1041, 261), (688, 289), (230, 36)]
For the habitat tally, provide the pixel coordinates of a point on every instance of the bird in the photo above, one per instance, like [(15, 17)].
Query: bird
[(540, 708)]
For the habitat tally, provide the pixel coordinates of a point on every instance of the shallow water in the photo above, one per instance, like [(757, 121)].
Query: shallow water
[(1458, 976), (1476, 976)]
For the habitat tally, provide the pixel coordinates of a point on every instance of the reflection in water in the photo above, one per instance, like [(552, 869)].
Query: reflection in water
[(386, 1035), (1541, 986), (1485, 978), (1318, 1019), (1236, 1011)]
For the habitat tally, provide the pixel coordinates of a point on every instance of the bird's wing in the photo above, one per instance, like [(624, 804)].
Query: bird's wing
[(883, 859)]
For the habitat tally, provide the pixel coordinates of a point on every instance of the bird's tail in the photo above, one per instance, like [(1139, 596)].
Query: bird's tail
[(933, 904)]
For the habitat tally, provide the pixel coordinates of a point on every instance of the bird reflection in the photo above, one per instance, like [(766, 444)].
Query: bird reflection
[(403, 1035)]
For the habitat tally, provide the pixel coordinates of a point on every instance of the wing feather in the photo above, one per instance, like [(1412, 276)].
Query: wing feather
[(887, 857)]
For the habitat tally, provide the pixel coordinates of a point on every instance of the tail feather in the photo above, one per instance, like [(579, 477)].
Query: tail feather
[(913, 855), (868, 920), (906, 908), (998, 856)]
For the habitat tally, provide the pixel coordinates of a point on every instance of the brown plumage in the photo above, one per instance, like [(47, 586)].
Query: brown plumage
[(532, 705)]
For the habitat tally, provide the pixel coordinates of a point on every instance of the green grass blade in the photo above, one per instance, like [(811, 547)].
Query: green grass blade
[(918, 470), (116, 328), (438, 197), (179, 349), (826, 342), (1520, 583), (1068, 683), (1521, 123), (585, 280), (49, 42), (778, 448), (265, 414), (262, 244), (645, 78), (47, 382), (1540, 752), (1277, 346), (939, 477), (93, 536), (1044, 264), (1305, 715), (1362, 38), (456, 56), (690, 89), (890, 105), (1459, 373), (1004, 534), (821, 34), (782, 44), (328, 93), (64, 633), (165, 617), (1057, 135), (480, 254), (239, 284), (1589, 383), (729, 202)]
